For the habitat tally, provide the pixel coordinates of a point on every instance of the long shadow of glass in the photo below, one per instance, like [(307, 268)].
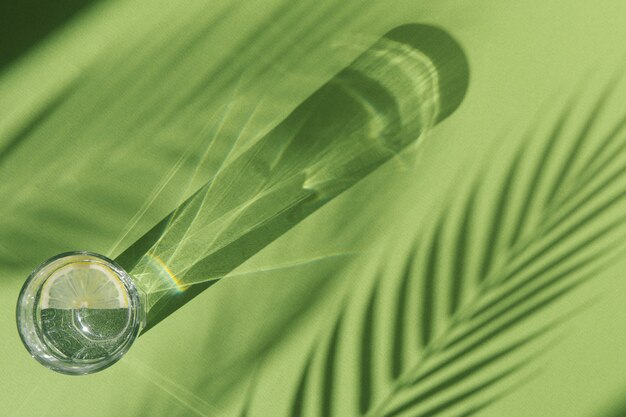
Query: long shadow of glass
[(408, 81)]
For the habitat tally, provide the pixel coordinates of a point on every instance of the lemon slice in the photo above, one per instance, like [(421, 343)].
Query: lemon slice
[(84, 285)]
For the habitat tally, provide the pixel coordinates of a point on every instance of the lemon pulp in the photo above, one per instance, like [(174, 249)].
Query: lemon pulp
[(84, 285)]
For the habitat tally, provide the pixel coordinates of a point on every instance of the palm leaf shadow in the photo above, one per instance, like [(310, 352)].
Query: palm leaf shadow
[(617, 408), (501, 320)]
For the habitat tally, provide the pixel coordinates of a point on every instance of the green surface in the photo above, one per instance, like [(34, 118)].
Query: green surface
[(498, 237)]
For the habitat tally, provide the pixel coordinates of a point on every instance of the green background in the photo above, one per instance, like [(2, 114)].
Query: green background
[(102, 132)]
